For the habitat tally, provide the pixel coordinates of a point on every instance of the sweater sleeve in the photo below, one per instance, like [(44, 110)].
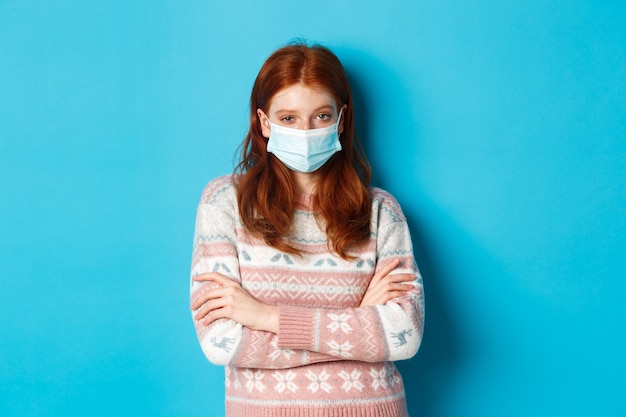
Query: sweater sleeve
[(215, 250), (373, 334), (226, 342), (306, 335)]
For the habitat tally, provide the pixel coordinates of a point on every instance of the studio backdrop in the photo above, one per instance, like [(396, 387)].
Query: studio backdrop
[(498, 126)]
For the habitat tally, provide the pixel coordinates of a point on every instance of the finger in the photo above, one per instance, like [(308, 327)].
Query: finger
[(215, 277), (200, 299), (390, 285), (393, 294), (207, 276), (399, 278), (385, 270), (384, 293), (208, 307), (382, 298), (378, 295), (223, 304), (399, 287), (220, 313), (208, 295), (220, 298)]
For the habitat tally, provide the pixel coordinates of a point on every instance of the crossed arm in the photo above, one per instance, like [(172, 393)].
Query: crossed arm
[(236, 329), (231, 301)]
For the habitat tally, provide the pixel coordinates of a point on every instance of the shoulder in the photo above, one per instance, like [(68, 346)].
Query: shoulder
[(219, 191), (385, 205)]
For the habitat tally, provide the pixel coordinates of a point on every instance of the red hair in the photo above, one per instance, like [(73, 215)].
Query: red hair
[(265, 190)]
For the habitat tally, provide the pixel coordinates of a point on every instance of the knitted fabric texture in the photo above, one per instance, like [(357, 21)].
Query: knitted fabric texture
[(330, 356)]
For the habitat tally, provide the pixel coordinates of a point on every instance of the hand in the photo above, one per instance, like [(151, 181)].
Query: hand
[(231, 301), (383, 287)]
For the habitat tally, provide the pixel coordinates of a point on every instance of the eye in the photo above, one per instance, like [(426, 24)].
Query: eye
[(324, 116), (286, 119)]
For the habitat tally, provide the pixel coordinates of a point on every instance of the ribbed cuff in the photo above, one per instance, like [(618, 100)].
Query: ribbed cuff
[(394, 408), (296, 327)]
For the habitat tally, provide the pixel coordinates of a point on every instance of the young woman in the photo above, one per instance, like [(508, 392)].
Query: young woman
[(304, 284)]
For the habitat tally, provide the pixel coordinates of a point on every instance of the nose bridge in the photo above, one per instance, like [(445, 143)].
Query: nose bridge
[(305, 124)]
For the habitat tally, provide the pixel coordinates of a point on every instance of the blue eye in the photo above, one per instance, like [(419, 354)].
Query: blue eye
[(324, 116), (286, 119)]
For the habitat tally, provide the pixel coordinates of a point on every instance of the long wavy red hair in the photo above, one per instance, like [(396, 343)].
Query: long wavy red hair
[(265, 189)]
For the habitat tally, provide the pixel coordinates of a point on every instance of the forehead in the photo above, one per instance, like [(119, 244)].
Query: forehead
[(302, 98)]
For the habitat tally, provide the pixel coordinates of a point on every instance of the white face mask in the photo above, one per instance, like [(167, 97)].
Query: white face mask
[(304, 150)]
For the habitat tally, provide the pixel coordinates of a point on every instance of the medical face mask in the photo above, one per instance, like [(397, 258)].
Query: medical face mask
[(304, 150)]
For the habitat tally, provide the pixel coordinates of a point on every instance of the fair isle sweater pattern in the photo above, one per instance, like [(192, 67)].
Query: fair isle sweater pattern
[(330, 356)]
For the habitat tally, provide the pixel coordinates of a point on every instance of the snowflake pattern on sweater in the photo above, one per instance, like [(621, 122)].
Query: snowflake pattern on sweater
[(329, 354)]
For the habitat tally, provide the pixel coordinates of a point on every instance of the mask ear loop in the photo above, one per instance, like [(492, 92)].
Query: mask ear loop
[(269, 122), (268, 119), (338, 120)]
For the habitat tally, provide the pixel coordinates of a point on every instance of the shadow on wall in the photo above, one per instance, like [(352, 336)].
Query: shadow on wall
[(431, 372)]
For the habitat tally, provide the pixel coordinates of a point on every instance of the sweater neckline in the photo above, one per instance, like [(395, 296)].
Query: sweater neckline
[(305, 201)]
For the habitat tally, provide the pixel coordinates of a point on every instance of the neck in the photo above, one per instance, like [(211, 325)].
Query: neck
[(305, 182)]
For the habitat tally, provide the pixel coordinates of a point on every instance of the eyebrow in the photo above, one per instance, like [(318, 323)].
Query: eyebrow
[(324, 107)]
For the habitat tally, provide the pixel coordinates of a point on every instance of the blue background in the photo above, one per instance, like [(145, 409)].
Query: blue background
[(499, 126)]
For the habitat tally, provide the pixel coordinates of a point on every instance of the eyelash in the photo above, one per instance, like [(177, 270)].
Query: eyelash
[(321, 116)]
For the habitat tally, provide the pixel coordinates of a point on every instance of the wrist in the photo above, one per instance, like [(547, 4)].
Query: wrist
[(269, 319)]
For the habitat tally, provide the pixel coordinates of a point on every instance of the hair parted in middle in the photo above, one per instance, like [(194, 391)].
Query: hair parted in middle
[(265, 189)]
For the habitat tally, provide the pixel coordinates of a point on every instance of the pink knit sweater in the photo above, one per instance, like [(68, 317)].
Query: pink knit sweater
[(330, 358)]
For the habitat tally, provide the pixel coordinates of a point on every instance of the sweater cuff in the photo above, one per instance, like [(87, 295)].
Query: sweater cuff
[(296, 327)]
